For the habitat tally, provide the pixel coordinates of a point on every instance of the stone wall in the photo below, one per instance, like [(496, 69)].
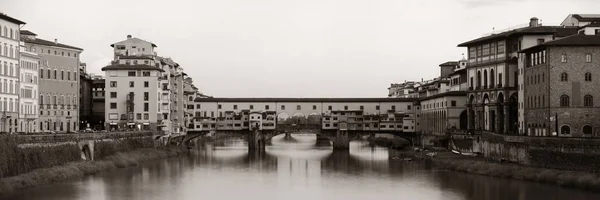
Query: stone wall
[(23, 153), (581, 154)]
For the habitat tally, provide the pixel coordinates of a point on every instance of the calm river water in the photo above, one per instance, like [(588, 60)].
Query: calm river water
[(293, 169)]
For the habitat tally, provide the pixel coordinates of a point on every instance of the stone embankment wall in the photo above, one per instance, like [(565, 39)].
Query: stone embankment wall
[(579, 154), (23, 153)]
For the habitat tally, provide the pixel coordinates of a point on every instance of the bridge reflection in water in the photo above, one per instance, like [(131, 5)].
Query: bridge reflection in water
[(293, 169)]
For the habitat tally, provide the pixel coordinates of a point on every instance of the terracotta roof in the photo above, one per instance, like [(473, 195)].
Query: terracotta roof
[(449, 63), (49, 43), (131, 67), (305, 99), (26, 32), (567, 31), (575, 40), (10, 19), (515, 32)]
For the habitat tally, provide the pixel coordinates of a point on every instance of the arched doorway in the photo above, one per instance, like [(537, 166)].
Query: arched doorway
[(500, 118), (463, 120), (486, 112), (471, 113), (513, 113)]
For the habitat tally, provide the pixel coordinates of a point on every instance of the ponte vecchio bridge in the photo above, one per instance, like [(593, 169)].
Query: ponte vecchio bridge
[(339, 120)]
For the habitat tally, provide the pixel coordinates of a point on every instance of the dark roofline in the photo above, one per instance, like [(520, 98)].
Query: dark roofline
[(27, 32), (510, 33), (449, 63), (337, 100), (50, 43), (574, 40), (583, 19), (147, 57), (10, 19), (445, 94), (131, 67)]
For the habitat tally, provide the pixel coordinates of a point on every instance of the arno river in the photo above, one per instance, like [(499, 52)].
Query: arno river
[(293, 169)]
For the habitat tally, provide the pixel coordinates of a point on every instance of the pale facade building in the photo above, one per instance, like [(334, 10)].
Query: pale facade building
[(28, 84), (9, 73)]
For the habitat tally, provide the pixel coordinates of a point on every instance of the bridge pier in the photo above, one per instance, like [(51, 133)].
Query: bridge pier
[(341, 140), (256, 140)]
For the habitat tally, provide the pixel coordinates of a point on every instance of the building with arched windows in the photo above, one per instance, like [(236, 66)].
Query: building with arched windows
[(561, 83)]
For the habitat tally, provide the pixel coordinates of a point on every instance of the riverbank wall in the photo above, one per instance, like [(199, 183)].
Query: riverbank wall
[(21, 154)]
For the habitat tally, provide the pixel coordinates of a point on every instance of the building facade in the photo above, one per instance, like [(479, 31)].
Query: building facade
[(28, 84), (561, 84), (9, 73), (58, 83), (98, 102), (132, 87), (85, 98)]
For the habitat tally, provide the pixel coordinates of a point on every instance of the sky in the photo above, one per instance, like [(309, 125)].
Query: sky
[(288, 48)]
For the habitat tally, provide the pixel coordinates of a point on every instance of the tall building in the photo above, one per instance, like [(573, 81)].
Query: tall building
[(58, 83), (495, 96), (28, 84), (561, 82), (133, 87), (85, 97), (98, 102), (9, 72)]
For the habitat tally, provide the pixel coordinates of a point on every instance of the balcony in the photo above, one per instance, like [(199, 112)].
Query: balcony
[(62, 106), (48, 106), (55, 106), (69, 107)]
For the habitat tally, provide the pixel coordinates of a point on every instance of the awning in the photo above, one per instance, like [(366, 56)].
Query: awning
[(146, 123), (113, 123)]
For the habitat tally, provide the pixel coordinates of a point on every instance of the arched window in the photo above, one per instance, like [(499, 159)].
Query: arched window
[(588, 76), (588, 101), (479, 79), (492, 78), (564, 101), (485, 78), (565, 130), (564, 76), (587, 130), (41, 99), (191, 98)]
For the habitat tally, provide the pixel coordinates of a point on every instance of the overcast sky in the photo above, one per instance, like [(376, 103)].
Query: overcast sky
[(288, 48)]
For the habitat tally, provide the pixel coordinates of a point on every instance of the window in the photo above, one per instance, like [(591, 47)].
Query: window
[(345, 107), (113, 95), (266, 107), (588, 58), (131, 84), (146, 116), (251, 107), (131, 73), (393, 107), (146, 84), (564, 76), (564, 101), (329, 107), (146, 107), (565, 130), (362, 107), (314, 107), (587, 130), (235, 107), (376, 107), (219, 106), (146, 96), (539, 41), (145, 73), (113, 84), (62, 75), (282, 107), (138, 116), (453, 103), (113, 105), (563, 58), (408, 107), (198, 107), (588, 101), (588, 76), (298, 107)]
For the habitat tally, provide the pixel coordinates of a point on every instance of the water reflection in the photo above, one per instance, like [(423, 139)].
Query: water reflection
[(293, 168)]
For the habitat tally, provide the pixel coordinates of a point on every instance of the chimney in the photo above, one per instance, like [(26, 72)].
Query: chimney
[(55, 41), (533, 22), (128, 36)]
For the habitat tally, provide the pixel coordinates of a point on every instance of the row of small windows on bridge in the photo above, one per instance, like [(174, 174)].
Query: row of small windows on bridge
[(298, 107), (565, 101), (565, 129)]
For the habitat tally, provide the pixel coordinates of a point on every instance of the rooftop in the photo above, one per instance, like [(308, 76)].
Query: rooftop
[(574, 40), (516, 32), (10, 19), (449, 63), (46, 42), (131, 67), (26, 32)]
